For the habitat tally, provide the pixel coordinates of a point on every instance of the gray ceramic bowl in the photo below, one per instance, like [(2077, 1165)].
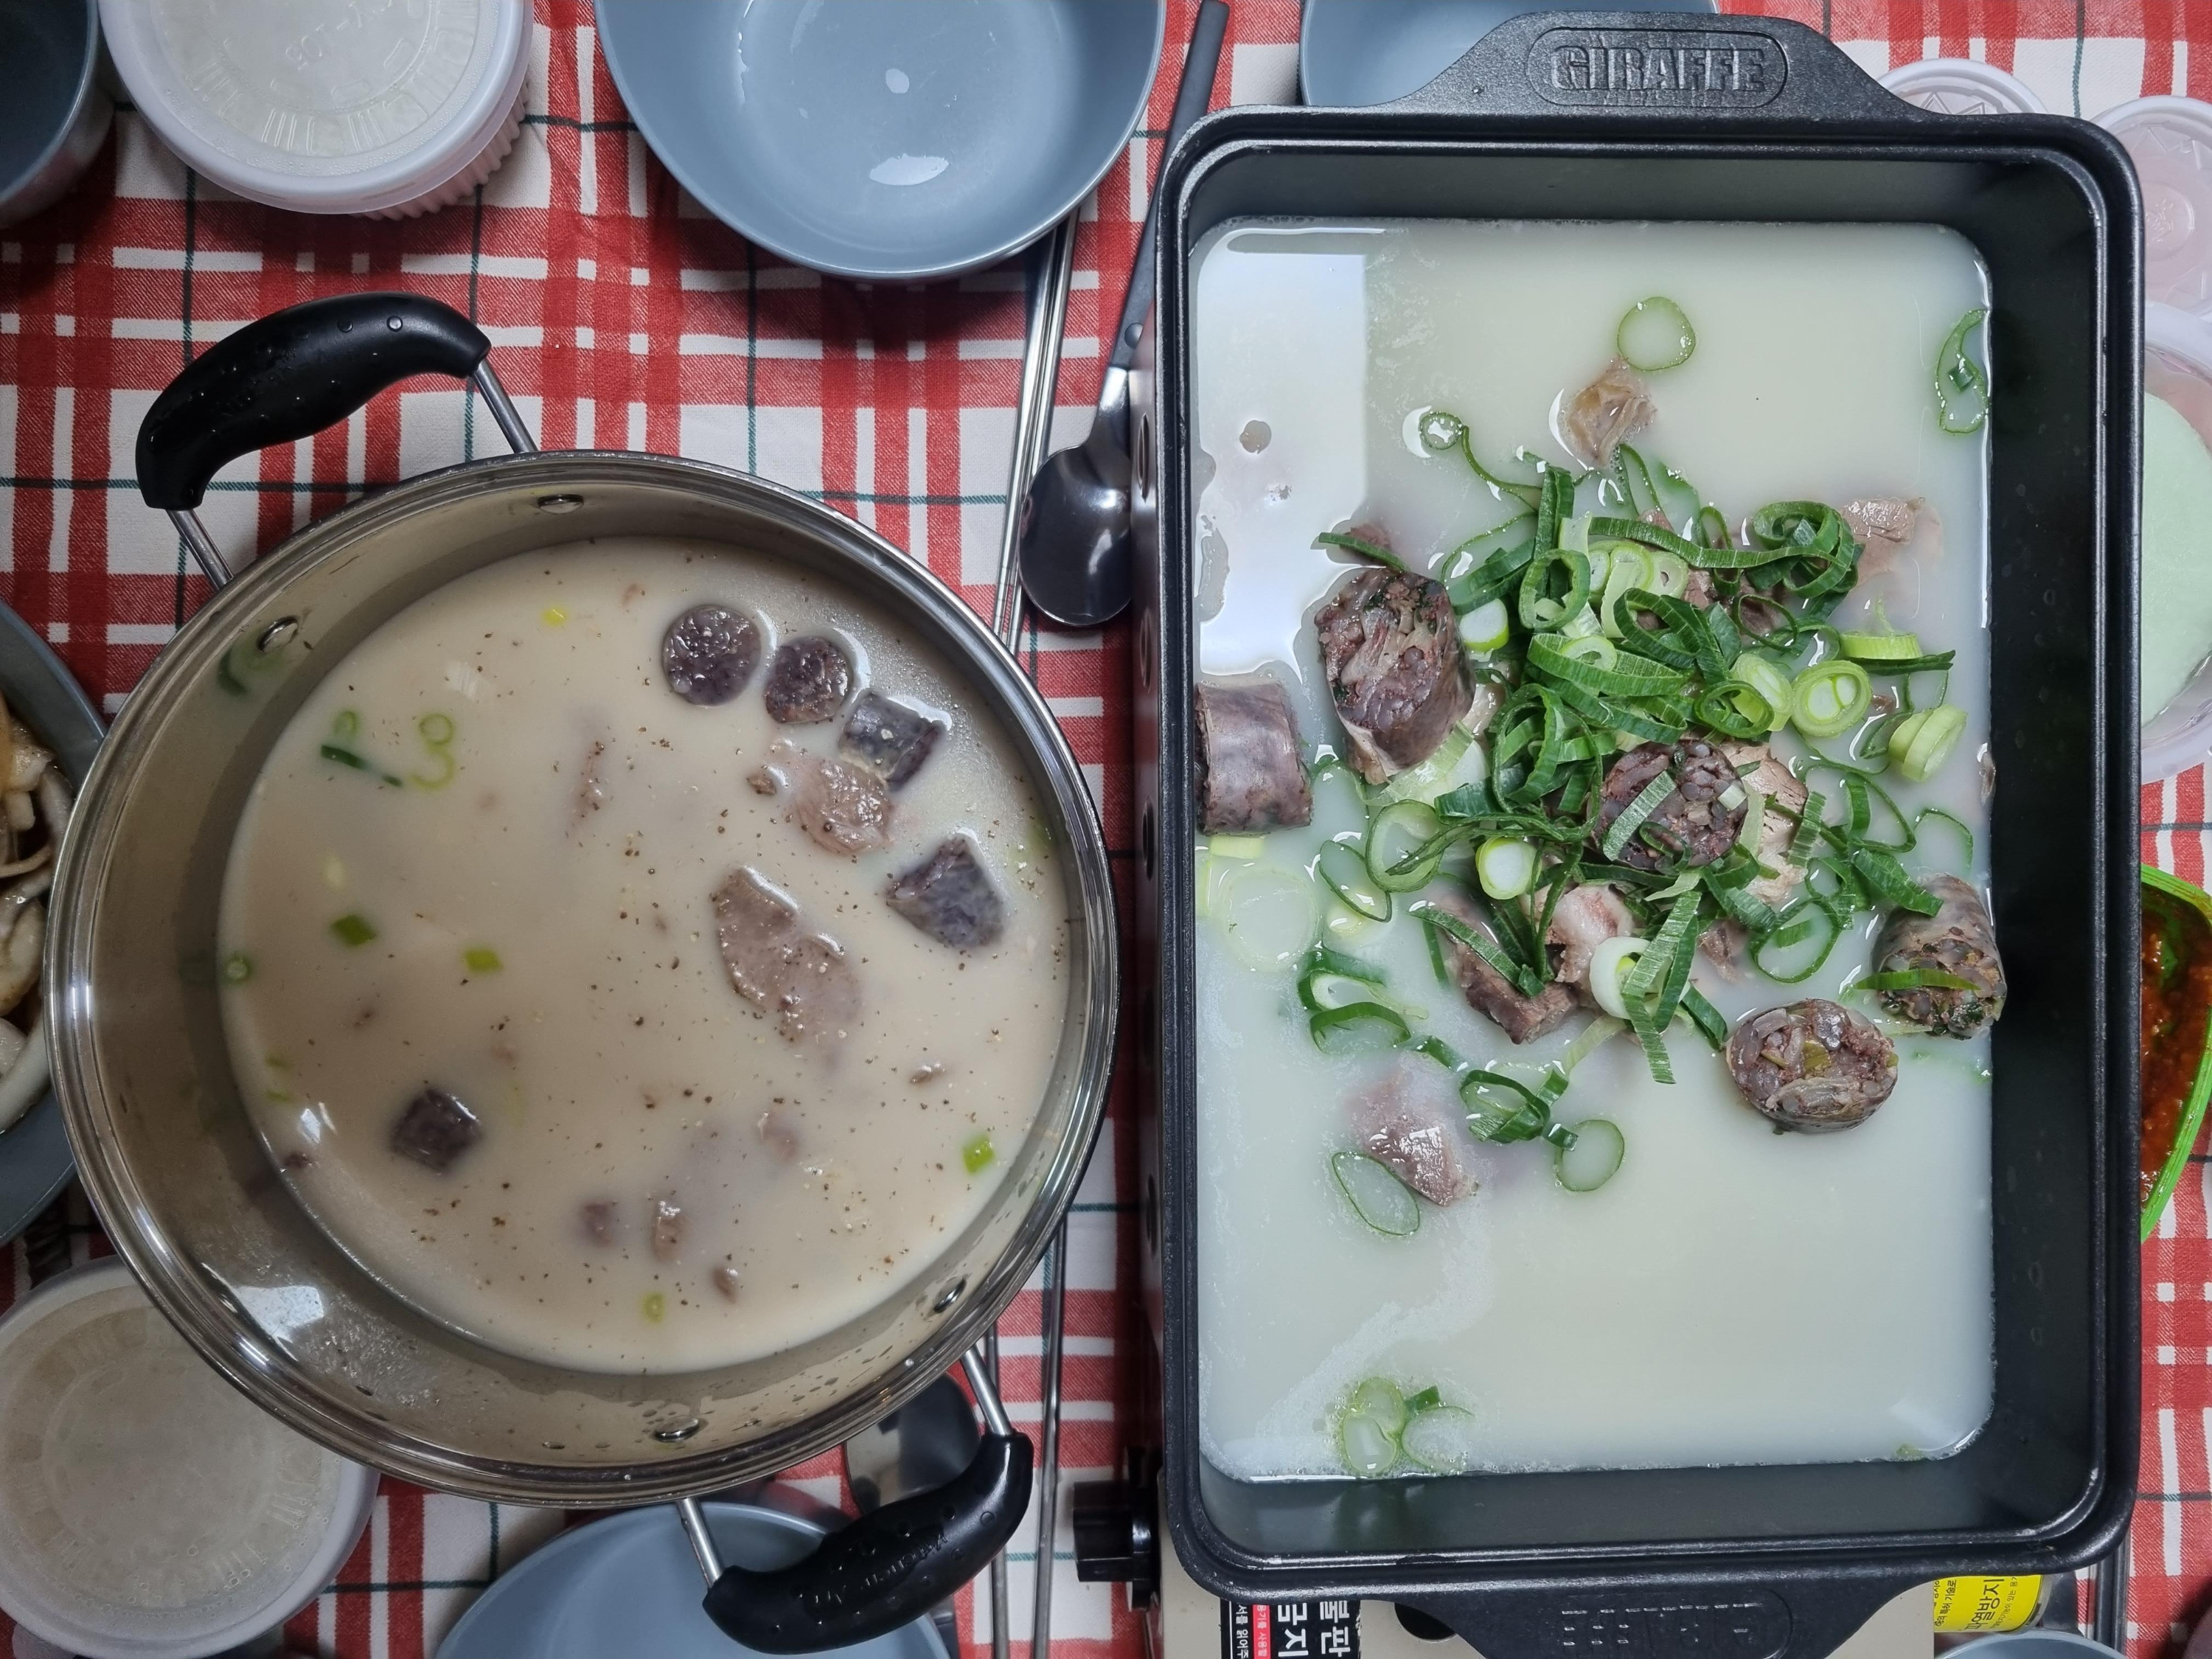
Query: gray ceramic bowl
[(53, 115), (886, 139), (34, 1151), (1353, 53)]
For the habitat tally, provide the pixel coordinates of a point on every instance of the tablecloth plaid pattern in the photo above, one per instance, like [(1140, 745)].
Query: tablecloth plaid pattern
[(623, 315)]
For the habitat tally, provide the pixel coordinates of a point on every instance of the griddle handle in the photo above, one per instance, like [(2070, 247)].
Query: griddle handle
[(289, 376), (1786, 1617), (886, 1570), (1658, 67)]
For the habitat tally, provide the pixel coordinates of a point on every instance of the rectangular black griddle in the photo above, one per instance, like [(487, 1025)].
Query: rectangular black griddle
[(1665, 116)]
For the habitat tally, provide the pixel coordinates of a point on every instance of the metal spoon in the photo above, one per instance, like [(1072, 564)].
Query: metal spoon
[(1075, 530)]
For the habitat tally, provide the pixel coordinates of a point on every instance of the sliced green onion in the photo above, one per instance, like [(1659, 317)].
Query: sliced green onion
[(1594, 1159), (1710, 1024), (1506, 867), (1343, 865), (1629, 569), (1458, 759), (1236, 847), (1555, 586), (1427, 1399), (1962, 385), (1378, 1198), (1441, 1439), (1830, 697), (237, 968), (1965, 834), (1806, 920), (481, 960), (1755, 821), (1924, 741), (1737, 708), (1439, 920), (1487, 627), (1592, 1037), (978, 1154), (1881, 647), (1366, 1450), (1670, 575), (1365, 549), (352, 930), (1648, 801), (1583, 624), (1915, 979), (1807, 833), (1595, 664), (1760, 672), (1380, 1400), (1357, 1028), (1319, 990), (1269, 915), (1503, 1108), (1398, 834), (1888, 879), (1610, 964), (1655, 335)]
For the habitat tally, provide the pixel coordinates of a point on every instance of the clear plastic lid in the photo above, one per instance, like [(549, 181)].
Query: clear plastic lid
[(146, 1507), (1961, 85), (336, 106), (2170, 140), (2176, 628)]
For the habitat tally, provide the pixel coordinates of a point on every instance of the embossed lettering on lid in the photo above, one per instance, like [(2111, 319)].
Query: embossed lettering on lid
[(1658, 69)]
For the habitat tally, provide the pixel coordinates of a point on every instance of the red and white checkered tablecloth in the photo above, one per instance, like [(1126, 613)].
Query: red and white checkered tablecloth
[(623, 315)]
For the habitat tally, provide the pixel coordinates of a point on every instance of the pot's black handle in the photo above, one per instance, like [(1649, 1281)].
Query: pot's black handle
[(1787, 1617), (1657, 66), (886, 1569), (289, 376)]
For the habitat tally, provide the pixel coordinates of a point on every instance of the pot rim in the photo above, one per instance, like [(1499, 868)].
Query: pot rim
[(227, 1336)]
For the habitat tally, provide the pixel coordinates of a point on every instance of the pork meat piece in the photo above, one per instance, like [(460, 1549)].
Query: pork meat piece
[(949, 896), (890, 737), (843, 808), (1881, 518), (1251, 769), (1523, 1018), (1389, 644), (1958, 940), (808, 680), (1765, 774), (1585, 918), (804, 979), (1814, 1066), (1411, 1119), (1607, 412), (435, 1130), (1691, 825), (708, 653)]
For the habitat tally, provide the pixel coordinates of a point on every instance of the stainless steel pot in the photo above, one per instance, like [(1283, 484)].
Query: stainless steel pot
[(186, 1190)]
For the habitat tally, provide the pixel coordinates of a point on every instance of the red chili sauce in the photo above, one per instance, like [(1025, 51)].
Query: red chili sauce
[(2177, 1002)]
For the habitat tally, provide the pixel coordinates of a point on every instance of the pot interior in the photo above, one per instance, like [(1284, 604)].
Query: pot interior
[(188, 1191)]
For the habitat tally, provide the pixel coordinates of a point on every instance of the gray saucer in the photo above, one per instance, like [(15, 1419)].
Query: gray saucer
[(629, 1585), (887, 139), (34, 1152)]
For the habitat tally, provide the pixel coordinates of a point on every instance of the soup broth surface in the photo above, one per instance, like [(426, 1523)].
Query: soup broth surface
[(1732, 1295), (506, 895)]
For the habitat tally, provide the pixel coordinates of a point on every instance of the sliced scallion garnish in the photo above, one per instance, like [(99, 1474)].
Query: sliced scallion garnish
[(1648, 801), (1924, 741), (1357, 1028), (1398, 833), (1915, 979), (1594, 1158), (1343, 865), (1360, 548), (1830, 697), (1441, 1439), (1962, 385), (1610, 964), (1269, 916), (1379, 1199), (1505, 867), (1487, 627), (1655, 335)]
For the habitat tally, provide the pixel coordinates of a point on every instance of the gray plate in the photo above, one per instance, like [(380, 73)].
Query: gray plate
[(1353, 53), (628, 1584), (34, 1152), (886, 139)]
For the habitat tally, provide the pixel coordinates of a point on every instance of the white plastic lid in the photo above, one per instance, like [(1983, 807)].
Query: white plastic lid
[(2177, 369), (2170, 140), (146, 1507), (1961, 85), (326, 106)]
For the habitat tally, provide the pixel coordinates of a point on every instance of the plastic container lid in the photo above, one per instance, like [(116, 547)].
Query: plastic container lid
[(2171, 141), (146, 1507), (328, 105), (1961, 85)]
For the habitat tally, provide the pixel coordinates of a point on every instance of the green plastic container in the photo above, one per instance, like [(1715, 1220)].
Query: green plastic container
[(2193, 906)]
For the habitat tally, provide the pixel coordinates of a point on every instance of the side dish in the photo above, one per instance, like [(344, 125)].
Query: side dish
[(35, 809), (641, 956)]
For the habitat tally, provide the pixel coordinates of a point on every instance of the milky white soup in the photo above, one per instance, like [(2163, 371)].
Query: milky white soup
[(665, 1174), (1732, 1295)]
